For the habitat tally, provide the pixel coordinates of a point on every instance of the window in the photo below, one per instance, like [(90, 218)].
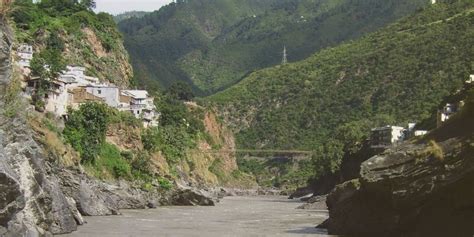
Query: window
[(99, 92)]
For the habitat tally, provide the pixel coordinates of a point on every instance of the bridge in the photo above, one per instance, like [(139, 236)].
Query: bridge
[(267, 153)]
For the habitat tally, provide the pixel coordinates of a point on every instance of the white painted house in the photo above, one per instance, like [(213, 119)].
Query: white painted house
[(73, 88), (58, 98), (109, 93), (77, 75), (141, 105), (447, 111), (386, 136), (61, 96), (470, 80), (25, 53)]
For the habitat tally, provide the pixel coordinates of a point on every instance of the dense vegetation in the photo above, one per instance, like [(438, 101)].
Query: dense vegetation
[(281, 173), (330, 101), (180, 129), (127, 15), (214, 44), (69, 32)]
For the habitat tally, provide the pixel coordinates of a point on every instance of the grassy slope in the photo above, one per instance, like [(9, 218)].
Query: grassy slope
[(213, 44), (398, 74)]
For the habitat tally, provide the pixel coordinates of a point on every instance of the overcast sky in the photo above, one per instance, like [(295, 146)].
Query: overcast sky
[(120, 6)]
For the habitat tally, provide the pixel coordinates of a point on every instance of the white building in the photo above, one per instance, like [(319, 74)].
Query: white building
[(447, 111), (77, 75), (419, 133), (25, 53), (73, 88), (58, 98), (470, 80), (61, 95), (386, 136), (141, 105), (109, 93)]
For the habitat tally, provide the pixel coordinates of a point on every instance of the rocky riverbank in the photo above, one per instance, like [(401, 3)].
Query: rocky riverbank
[(421, 188)]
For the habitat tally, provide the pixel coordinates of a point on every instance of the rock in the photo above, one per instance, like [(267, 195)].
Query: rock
[(301, 192), (73, 207), (151, 205), (408, 191), (190, 197), (11, 199), (315, 203)]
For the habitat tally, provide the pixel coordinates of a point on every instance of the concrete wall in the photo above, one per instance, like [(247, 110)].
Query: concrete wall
[(111, 95)]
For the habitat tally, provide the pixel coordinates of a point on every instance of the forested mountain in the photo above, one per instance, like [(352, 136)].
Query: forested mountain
[(213, 44), (332, 99), (128, 15)]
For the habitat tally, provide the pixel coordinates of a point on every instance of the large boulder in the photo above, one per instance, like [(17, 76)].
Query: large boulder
[(191, 197), (411, 190)]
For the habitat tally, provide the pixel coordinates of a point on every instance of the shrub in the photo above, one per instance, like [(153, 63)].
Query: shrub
[(434, 150), (111, 160), (86, 128), (165, 183)]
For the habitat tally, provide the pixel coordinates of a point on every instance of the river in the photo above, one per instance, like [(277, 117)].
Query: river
[(233, 216)]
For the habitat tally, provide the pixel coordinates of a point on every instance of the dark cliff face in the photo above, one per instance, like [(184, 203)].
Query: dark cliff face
[(31, 199), (421, 188)]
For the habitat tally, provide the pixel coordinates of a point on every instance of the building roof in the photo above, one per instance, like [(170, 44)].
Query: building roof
[(136, 94), (93, 85), (388, 127), (81, 96)]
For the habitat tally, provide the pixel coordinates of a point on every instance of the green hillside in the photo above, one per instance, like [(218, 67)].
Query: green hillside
[(332, 99), (214, 44), (69, 32)]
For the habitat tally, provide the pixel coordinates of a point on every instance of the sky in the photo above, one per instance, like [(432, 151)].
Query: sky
[(121, 6)]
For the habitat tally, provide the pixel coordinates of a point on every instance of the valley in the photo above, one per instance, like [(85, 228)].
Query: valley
[(237, 118)]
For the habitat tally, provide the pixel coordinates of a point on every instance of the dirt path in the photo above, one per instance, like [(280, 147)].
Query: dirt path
[(234, 216)]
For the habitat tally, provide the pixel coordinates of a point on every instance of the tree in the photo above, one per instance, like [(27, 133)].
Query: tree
[(86, 129), (181, 91), (89, 4)]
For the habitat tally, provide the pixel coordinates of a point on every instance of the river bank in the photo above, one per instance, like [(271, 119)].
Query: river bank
[(233, 216)]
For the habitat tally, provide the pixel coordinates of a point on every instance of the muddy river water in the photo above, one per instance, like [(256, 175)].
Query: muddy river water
[(233, 216)]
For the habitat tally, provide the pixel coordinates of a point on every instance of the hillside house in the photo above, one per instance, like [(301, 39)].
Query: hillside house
[(77, 75), (57, 98), (141, 105), (25, 53), (446, 112), (61, 94), (109, 93), (384, 137), (78, 96), (470, 80)]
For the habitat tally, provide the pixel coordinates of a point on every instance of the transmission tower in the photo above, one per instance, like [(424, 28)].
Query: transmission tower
[(284, 60)]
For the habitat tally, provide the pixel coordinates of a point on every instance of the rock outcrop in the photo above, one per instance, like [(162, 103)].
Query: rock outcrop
[(192, 197), (411, 190), (38, 197), (315, 203)]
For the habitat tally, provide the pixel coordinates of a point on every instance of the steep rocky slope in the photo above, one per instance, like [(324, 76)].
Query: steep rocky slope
[(39, 196), (80, 36), (421, 188)]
